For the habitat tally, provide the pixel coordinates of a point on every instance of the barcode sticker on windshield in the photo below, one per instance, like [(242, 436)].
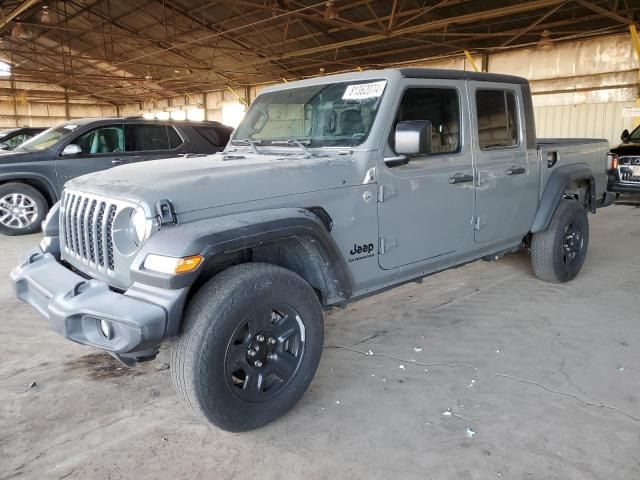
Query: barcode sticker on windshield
[(364, 90)]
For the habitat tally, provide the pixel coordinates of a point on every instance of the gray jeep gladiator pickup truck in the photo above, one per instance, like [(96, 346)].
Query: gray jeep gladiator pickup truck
[(330, 190)]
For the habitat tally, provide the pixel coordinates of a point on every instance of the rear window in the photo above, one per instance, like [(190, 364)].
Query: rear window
[(141, 138), (210, 134), (497, 119), (174, 138)]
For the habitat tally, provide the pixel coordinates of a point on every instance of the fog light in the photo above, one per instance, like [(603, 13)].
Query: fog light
[(106, 329)]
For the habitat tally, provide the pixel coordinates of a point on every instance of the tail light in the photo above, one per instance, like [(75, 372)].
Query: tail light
[(612, 161)]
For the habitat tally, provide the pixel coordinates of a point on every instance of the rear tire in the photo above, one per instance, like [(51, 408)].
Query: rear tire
[(22, 209), (250, 346), (558, 253)]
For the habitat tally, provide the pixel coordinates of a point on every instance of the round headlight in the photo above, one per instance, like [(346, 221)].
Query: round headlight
[(139, 225)]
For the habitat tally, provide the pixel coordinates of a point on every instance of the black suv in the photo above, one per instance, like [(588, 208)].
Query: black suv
[(13, 137), (624, 173), (32, 175)]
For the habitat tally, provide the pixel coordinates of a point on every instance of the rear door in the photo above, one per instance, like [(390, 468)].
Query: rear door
[(151, 141), (503, 174), (101, 148)]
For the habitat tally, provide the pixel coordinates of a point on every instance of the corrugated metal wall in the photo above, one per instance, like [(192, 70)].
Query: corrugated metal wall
[(580, 89), (593, 120)]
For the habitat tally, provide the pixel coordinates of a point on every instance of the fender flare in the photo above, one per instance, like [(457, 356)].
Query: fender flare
[(237, 232), (557, 183), (41, 180)]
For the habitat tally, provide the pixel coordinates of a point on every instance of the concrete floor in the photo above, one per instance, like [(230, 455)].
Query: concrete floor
[(541, 381)]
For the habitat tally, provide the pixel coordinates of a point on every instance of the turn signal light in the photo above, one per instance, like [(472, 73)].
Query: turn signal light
[(612, 161), (188, 264)]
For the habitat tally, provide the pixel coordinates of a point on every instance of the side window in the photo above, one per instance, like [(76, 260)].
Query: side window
[(209, 134), (141, 138), (101, 140), (13, 142), (497, 119), (174, 138), (441, 107)]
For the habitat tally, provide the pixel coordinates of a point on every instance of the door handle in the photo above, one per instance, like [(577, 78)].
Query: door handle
[(460, 178), (116, 161), (516, 170)]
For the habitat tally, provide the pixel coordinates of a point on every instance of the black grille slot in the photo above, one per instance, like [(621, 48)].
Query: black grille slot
[(91, 231), (83, 229), (100, 233), (109, 233)]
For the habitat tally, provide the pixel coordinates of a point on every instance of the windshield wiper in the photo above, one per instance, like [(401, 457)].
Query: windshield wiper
[(297, 142), (247, 141)]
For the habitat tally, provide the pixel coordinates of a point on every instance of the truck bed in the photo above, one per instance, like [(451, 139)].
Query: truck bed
[(558, 152)]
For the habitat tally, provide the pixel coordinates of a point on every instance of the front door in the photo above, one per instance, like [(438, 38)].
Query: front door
[(425, 207), (100, 148), (503, 173)]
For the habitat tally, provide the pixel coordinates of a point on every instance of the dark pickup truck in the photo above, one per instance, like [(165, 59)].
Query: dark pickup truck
[(624, 164), (32, 175)]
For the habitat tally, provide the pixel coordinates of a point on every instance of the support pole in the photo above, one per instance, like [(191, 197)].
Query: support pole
[(14, 95), (635, 41), (470, 58), (485, 62), (66, 104)]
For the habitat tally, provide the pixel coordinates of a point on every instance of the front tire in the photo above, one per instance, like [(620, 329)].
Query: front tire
[(250, 346), (558, 253), (22, 209)]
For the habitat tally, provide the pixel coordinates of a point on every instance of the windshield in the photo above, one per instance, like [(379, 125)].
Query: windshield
[(337, 114), (4, 133), (47, 138), (635, 135)]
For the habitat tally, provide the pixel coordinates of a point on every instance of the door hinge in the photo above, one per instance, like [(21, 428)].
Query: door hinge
[(479, 222), (386, 244), (385, 192)]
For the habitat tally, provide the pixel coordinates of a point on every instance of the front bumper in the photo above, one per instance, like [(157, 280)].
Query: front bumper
[(74, 307), (624, 187)]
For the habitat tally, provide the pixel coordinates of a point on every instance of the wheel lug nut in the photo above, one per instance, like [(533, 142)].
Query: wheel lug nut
[(252, 353), (258, 363), (272, 341), (260, 338)]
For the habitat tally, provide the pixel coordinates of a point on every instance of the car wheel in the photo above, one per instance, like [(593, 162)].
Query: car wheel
[(251, 343), (22, 209), (558, 253)]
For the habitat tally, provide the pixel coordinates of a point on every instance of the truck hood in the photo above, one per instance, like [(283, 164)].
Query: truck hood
[(627, 149), (195, 183)]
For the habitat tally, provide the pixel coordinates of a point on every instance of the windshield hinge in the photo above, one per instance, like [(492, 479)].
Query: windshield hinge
[(166, 214), (385, 192)]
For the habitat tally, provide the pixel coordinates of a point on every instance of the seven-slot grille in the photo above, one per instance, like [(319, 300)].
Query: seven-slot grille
[(86, 223), (629, 169)]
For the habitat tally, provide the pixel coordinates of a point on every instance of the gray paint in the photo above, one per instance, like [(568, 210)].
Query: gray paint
[(425, 223)]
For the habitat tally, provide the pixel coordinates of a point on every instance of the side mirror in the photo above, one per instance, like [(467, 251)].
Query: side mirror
[(4, 146), (625, 136), (413, 138), (71, 149)]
